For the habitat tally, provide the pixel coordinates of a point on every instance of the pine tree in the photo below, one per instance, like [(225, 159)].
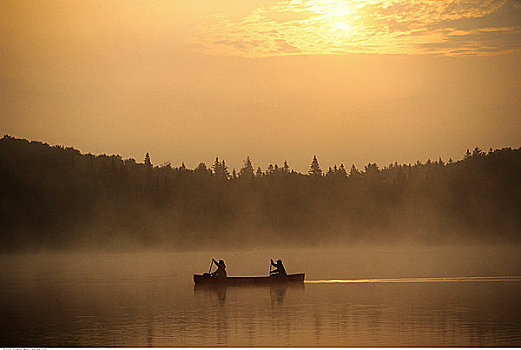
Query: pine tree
[(354, 171), (330, 172), (220, 170), (477, 152), (147, 160), (202, 169), (371, 169), (216, 165), (314, 170), (342, 170), (286, 167), (224, 169), (246, 171)]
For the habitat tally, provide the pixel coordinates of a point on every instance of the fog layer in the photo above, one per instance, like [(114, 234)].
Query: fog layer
[(56, 197)]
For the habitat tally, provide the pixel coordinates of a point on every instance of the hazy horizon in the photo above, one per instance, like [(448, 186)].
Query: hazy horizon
[(304, 170)]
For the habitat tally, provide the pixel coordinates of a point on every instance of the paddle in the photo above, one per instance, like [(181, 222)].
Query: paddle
[(210, 269)]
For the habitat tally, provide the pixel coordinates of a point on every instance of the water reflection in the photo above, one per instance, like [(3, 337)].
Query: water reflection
[(248, 315), (423, 280), (217, 292), (44, 304), (277, 294)]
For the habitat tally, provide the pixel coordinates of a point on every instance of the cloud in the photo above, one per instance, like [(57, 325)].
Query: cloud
[(289, 27), (284, 46)]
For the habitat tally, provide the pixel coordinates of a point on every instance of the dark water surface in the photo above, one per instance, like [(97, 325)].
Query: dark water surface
[(353, 297)]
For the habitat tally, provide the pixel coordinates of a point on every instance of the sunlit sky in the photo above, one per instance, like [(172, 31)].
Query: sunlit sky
[(349, 81)]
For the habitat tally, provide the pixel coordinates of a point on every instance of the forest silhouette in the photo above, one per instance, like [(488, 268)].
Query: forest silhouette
[(57, 198)]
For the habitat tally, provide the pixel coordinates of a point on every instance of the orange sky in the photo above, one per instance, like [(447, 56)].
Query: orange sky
[(350, 81)]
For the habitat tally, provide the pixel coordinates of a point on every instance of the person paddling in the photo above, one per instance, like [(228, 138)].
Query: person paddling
[(221, 269), (279, 268)]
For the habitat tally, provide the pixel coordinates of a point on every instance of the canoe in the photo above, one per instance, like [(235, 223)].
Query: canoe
[(207, 279)]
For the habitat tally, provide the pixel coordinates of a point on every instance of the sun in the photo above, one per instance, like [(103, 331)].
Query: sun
[(340, 16), (343, 26)]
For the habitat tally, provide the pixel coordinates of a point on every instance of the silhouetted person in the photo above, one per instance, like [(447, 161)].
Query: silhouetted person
[(221, 268), (279, 268)]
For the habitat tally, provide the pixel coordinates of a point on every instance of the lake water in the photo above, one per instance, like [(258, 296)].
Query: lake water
[(435, 296)]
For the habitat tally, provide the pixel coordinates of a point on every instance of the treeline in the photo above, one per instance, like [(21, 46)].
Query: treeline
[(56, 197)]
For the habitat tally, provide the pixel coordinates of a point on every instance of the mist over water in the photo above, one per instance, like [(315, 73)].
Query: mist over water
[(353, 296)]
